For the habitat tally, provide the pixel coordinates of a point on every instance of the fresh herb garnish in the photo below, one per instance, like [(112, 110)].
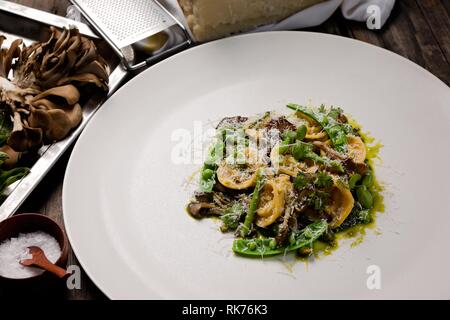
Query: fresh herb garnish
[(323, 180), (301, 181), (335, 130), (232, 216)]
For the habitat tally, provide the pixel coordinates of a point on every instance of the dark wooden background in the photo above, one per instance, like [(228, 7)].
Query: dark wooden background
[(418, 30)]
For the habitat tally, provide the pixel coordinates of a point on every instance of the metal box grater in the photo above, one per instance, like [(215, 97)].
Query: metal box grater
[(125, 22)]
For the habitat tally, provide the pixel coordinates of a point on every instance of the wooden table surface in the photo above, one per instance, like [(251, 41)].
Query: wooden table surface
[(418, 30)]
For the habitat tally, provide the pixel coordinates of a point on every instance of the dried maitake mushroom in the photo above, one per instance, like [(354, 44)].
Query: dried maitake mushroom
[(40, 87)]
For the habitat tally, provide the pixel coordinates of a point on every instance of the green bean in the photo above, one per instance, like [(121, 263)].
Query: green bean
[(364, 197), (255, 248), (267, 247), (254, 203)]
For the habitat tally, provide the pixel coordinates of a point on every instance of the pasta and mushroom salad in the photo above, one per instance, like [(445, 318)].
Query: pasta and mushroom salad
[(282, 183)]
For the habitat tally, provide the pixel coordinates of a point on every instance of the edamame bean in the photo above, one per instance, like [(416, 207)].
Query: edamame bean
[(291, 136), (368, 180), (364, 197), (273, 244), (301, 132), (207, 174), (353, 180)]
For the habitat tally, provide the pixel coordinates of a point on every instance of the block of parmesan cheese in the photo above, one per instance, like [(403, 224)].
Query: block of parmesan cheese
[(213, 19)]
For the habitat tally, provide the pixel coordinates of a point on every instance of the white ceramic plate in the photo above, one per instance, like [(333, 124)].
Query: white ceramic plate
[(124, 198)]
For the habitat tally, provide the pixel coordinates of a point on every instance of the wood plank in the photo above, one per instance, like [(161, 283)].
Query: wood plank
[(438, 18), (408, 33), (446, 5), (334, 25)]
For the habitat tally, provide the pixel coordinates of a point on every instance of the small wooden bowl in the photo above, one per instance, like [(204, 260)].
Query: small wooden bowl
[(27, 223)]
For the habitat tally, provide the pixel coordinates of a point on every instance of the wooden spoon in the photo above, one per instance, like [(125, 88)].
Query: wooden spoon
[(40, 260)]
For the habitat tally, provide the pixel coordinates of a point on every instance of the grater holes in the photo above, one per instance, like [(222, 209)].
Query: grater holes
[(124, 20)]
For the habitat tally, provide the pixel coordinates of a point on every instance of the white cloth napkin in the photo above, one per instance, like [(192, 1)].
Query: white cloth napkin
[(358, 10)]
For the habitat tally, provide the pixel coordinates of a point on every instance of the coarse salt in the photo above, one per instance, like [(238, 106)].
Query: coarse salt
[(14, 250)]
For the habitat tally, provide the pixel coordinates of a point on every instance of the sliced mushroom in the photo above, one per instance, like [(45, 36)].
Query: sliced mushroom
[(232, 122), (349, 162), (200, 209), (361, 168), (7, 56), (89, 52), (281, 124), (330, 152), (56, 123), (289, 221), (84, 78), (23, 137), (72, 51), (50, 76), (68, 92), (62, 42), (96, 68)]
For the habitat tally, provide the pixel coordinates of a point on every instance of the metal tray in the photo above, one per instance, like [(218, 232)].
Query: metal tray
[(17, 21)]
